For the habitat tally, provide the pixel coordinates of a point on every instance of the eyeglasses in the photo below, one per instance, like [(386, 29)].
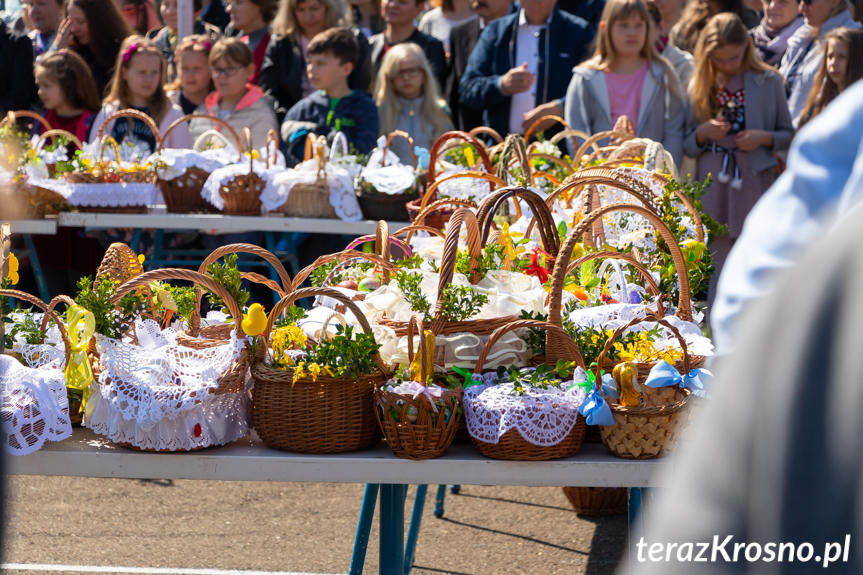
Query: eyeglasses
[(807, 2), (409, 73), (227, 72)]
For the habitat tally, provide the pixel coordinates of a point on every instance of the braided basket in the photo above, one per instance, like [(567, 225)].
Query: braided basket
[(330, 415), (242, 193), (312, 200), (412, 428)]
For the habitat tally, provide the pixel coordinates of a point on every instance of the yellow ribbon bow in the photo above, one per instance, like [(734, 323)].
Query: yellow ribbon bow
[(81, 325)]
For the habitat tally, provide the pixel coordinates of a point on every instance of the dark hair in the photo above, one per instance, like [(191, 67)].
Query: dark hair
[(824, 90), (74, 77), (655, 13), (232, 49), (695, 17), (142, 15), (340, 42), (268, 9), (108, 29)]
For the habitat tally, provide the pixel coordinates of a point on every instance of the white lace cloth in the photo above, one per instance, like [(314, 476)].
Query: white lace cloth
[(542, 417), (341, 186), (393, 178), (474, 189), (33, 406), (221, 176), (114, 195), (158, 395), (174, 162)]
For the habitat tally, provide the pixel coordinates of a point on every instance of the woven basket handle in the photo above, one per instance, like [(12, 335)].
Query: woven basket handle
[(43, 138), (684, 310), (399, 134), (416, 327), (461, 217), (513, 152), (541, 212), (421, 216), (272, 138), (209, 134), (431, 191), (52, 305), (47, 313), (551, 159), (594, 139), (341, 257), (218, 122), (134, 115), (568, 352), (13, 115), (580, 182), (302, 293), (247, 142), (623, 256), (446, 136), (340, 142), (105, 141), (145, 278), (573, 135), (485, 130), (533, 127), (383, 240), (685, 200), (409, 231), (325, 325), (619, 331), (218, 253)]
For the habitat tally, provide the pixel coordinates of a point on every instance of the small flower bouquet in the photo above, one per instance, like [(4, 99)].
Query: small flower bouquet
[(316, 395), (419, 418)]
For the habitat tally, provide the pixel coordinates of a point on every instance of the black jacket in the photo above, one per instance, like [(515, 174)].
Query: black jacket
[(432, 47), (281, 74), (462, 39), (17, 86), (356, 115), (588, 10)]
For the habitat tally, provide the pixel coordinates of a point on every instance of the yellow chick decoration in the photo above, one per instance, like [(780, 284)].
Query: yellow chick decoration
[(625, 375), (166, 300), (416, 363), (255, 321)]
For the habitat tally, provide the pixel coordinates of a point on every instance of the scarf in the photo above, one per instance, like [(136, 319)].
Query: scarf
[(772, 43)]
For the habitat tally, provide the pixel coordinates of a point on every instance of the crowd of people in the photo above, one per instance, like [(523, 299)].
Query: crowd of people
[(725, 82)]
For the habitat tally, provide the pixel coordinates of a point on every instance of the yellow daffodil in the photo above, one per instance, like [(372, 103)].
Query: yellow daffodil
[(693, 250), (141, 258), (299, 372), (255, 321), (468, 155), (13, 269)]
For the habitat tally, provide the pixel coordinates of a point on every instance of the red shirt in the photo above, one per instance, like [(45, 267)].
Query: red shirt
[(78, 125)]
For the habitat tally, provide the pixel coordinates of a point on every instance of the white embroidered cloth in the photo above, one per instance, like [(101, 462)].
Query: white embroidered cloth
[(114, 195), (33, 406), (474, 189), (341, 186), (172, 163), (542, 417), (223, 175), (159, 396)]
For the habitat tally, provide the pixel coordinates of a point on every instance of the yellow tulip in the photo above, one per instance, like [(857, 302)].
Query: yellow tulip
[(255, 322), (13, 269)]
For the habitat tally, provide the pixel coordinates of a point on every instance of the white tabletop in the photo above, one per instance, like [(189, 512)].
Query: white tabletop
[(88, 455), (47, 226), (221, 223)]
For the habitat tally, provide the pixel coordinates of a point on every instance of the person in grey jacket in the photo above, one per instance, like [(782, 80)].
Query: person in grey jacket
[(804, 52), (602, 88)]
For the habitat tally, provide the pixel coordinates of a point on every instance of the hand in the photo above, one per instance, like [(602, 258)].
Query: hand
[(748, 140), (711, 130), (552, 108), (516, 81), (63, 36)]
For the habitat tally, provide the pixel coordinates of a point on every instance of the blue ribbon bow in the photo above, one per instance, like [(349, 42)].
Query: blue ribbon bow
[(664, 374), (595, 410)]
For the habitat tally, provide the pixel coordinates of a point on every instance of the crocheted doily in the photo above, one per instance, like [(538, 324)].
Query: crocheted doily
[(220, 176), (341, 186)]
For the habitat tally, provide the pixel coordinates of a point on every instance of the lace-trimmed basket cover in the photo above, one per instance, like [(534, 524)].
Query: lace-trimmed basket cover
[(413, 427), (239, 194), (311, 199), (115, 191), (34, 405), (431, 209), (182, 193), (330, 415), (161, 395), (541, 424), (384, 190)]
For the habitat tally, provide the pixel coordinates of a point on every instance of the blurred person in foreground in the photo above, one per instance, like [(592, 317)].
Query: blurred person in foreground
[(824, 178), (771, 467)]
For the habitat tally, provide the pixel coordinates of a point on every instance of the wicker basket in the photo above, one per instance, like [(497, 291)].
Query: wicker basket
[(330, 415), (183, 194), (649, 430), (242, 193), (75, 413), (12, 117), (598, 501), (378, 206), (312, 200), (412, 427), (541, 213)]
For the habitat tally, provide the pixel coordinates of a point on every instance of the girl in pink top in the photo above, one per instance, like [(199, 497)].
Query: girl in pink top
[(627, 77)]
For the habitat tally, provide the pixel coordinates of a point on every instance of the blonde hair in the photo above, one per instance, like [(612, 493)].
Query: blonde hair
[(433, 111), (197, 43), (231, 49), (132, 46), (286, 20), (604, 55), (725, 29)]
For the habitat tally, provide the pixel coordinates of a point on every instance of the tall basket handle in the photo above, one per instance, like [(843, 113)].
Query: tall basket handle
[(461, 217), (409, 231), (492, 203), (289, 299), (219, 122), (43, 138), (272, 138), (421, 216), (206, 136), (513, 146), (485, 130), (145, 278), (342, 256), (684, 305), (431, 191), (47, 313), (133, 114), (436, 147), (567, 351), (533, 127), (593, 140), (399, 134), (383, 240), (247, 140), (13, 115), (625, 257), (340, 141)]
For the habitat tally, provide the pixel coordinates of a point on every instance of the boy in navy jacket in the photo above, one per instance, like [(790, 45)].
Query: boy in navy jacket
[(333, 107)]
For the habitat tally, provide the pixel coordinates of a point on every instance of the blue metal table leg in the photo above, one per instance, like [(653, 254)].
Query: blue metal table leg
[(414, 528), (636, 525), (41, 285), (392, 526), (156, 258), (364, 527), (438, 500), (135, 244)]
